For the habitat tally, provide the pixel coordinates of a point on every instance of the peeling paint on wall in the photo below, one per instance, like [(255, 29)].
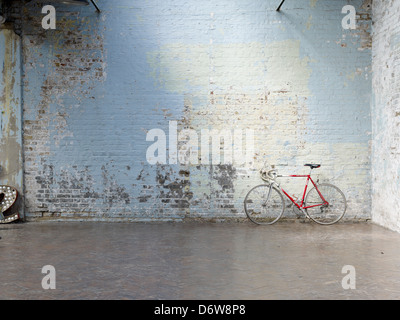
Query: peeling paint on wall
[(68, 63), (11, 166), (385, 119), (96, 85)]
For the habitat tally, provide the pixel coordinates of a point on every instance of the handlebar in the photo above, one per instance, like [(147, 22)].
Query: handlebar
[(269, 175)]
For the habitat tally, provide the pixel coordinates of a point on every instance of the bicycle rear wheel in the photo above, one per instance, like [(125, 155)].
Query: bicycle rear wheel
[(264, 204), (326, 213)]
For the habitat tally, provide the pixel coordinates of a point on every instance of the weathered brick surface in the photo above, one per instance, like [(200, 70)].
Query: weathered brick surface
[(95, 86), (386, 114), (11, 149)]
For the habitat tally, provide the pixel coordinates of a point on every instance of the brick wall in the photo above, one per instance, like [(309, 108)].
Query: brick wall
[(98, 84), (386, 114)]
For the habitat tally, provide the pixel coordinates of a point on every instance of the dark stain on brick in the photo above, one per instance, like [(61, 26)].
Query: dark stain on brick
[(176, 189), (112, 192), (225, 176)]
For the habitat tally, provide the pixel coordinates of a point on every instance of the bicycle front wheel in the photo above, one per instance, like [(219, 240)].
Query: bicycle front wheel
[(328, 213), (264, 204)]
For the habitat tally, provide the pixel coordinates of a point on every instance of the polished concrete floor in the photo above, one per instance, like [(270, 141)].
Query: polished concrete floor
[(198, 261)]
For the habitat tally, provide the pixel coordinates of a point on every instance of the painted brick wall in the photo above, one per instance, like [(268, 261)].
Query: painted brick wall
[(98, 84), (386, 114)]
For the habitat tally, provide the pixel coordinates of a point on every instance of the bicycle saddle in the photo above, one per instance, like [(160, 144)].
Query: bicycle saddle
[(312, 166)]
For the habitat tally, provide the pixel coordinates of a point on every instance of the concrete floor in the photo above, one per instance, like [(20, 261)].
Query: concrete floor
[(198, 261)]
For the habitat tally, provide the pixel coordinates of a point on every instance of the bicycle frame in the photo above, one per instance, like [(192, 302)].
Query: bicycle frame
[(301, 205)]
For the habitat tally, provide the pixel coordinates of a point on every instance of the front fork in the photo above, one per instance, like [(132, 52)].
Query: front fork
[(269, 192)]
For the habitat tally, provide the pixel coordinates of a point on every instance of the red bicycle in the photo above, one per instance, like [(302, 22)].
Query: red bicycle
[(324, 203)]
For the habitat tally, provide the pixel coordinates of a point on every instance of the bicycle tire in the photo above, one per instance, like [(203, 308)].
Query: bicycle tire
[(264, 205), (333, 212)]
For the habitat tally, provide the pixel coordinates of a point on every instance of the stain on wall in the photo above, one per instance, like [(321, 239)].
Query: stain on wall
[(11, 160), (97, 84)]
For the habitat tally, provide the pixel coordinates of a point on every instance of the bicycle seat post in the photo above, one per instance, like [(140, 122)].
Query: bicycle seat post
[(312, 166)]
